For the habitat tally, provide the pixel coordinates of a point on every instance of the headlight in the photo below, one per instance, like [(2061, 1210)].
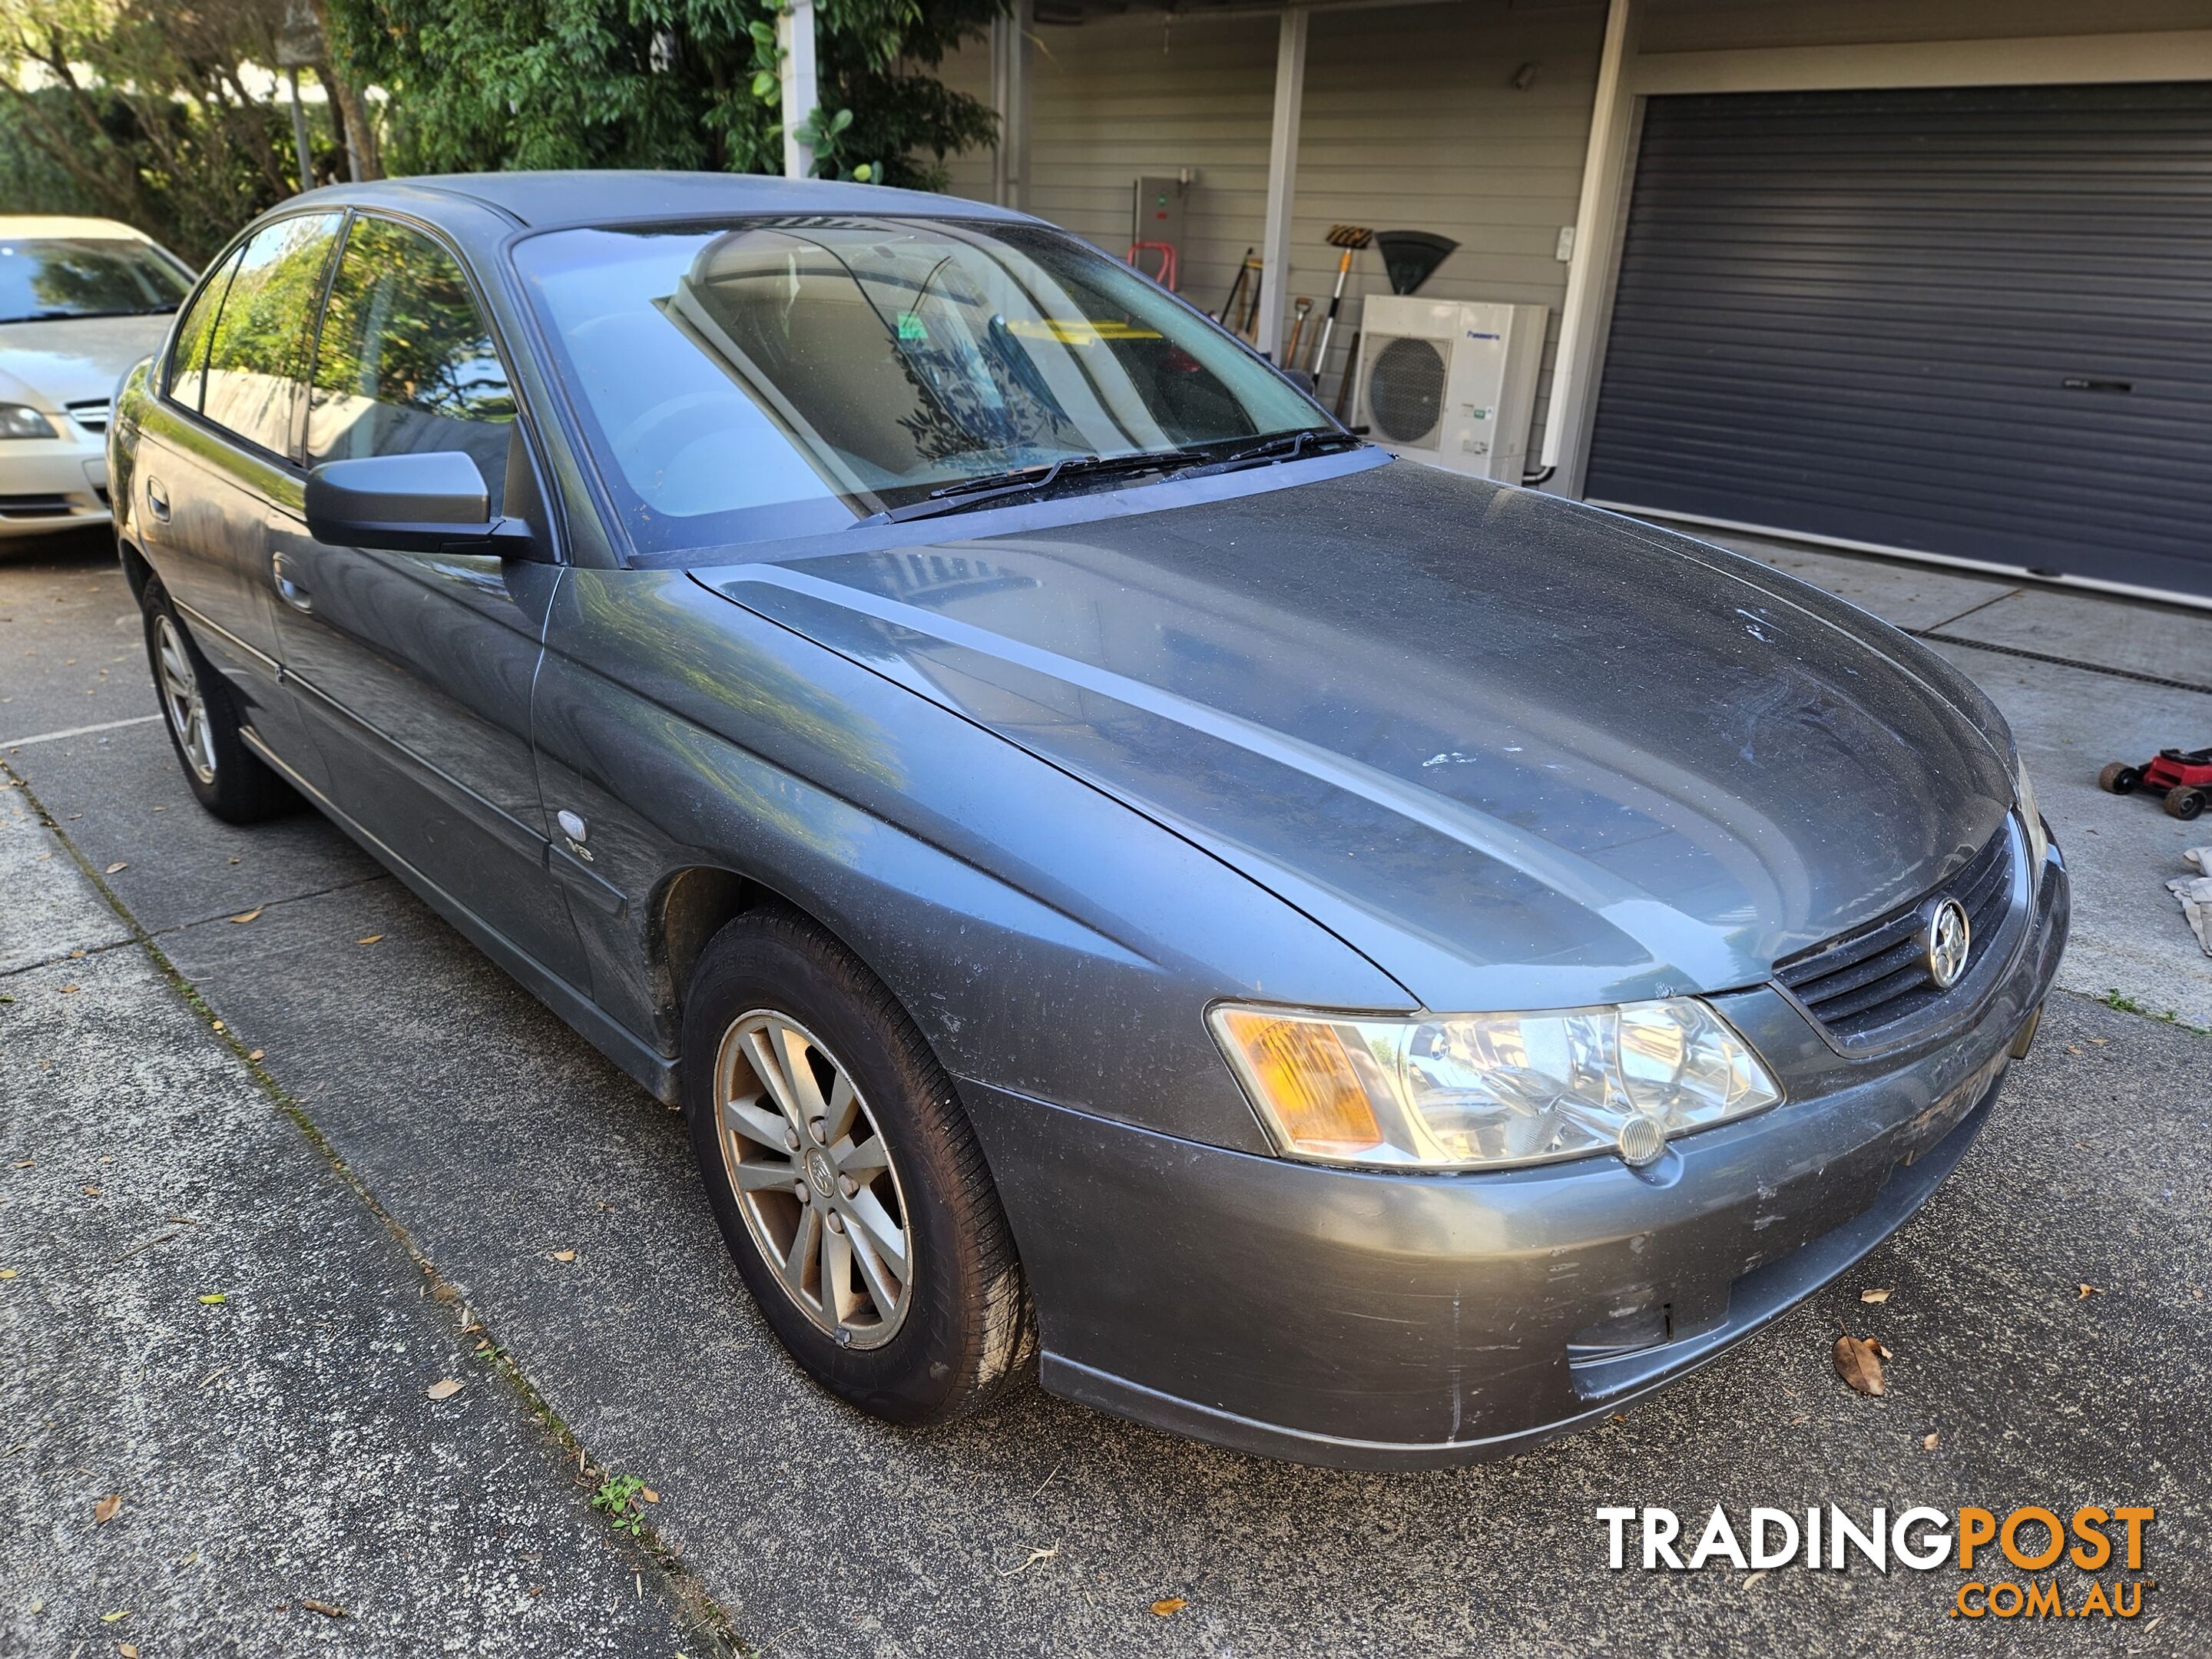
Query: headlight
[(2038, 841), (1464, 1091), (19, 421)]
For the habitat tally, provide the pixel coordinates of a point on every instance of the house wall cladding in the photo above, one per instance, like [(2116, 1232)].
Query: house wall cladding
[(1410, 121)]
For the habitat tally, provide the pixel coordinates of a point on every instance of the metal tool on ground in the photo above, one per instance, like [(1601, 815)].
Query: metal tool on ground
[(1249, 328), (1301, 309), (1410, 258), (1351, 239), (2184, 776), (1236, 291)]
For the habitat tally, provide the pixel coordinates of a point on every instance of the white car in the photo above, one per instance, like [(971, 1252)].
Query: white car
[(81, 300)]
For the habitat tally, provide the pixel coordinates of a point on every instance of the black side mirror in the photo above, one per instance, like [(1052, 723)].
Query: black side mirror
[(435, 503)]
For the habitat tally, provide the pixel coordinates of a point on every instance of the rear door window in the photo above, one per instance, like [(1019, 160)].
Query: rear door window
[(406, 363), (257, 360), (188, 357)]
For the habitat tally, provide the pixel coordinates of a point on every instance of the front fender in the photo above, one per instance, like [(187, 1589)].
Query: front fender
[(1046, 939)]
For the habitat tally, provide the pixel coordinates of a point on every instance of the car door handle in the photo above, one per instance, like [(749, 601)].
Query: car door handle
[(157, 498), (294, 595)]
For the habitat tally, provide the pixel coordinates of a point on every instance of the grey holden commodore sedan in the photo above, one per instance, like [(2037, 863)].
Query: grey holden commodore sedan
[(1337, 959)]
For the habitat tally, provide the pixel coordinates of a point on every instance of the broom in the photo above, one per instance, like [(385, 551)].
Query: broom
[(1351, 239)]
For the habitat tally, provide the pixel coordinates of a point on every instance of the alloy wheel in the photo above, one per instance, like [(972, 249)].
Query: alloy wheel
[(813, 1176), (182, 701)]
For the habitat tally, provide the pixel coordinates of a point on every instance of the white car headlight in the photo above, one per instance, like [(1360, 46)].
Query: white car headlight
[(20, 420), (1466, 1091), (2038, 841)]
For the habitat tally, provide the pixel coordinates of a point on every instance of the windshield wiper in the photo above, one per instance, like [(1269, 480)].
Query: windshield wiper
[(1271, 452), (966, 493)]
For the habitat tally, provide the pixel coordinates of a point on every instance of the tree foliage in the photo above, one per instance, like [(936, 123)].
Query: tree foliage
[(151, 111), (486, 84)]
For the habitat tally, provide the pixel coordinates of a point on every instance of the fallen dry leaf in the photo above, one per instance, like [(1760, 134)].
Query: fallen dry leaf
[(1858, 1362), (564, 1255), (648, 1494), (215, 1298), (2087, 1291), (92, 1192), (1874, 1295), (254, 1053), (444, 1390), (1755, 1578), (7, 1273), (1930, 1440), (1035, 1556), (369, 939), (323, 1607), (1173, 1605), (110, 1618), (249, 915), (118, 865), (217, 1026), (25, 1163), (67, 989), (107, 1509), (126, 1650)]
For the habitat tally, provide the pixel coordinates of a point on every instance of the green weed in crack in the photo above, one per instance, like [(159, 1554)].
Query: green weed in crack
[(623, 1498), (2127, 1004)]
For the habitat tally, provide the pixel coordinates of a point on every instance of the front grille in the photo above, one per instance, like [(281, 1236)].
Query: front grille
[(92, 414), (35, 507), (1871, 986)]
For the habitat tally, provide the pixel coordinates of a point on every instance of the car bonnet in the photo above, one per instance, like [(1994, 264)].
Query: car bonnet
[(72, 359), (1521, 753)]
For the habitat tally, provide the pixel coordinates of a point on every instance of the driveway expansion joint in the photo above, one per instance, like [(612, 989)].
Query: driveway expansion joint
[(709, 1620), (1936, 637)]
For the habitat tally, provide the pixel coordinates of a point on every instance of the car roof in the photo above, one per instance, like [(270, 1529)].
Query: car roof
[(40, 227), (587, 197)]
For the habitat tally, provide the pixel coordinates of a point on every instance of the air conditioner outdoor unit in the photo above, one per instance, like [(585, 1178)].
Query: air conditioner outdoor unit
[(1451, 382)]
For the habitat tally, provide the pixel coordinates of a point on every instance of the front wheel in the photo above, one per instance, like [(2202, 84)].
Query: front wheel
[(846, 1178), (2119, 779)]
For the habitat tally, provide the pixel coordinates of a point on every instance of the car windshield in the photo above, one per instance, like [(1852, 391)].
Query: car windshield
[(85, 276), (785, 377)]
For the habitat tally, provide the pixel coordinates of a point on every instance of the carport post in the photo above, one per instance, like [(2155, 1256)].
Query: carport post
[(1282, 179), (794, 39), (1590, 270), (1012, 42)]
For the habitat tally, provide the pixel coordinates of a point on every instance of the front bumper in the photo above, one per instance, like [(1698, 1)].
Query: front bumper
[(51, 484), (1393, 1322)]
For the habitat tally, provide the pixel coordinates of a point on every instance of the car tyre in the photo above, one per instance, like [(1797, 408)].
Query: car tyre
[(2184, 804), (836, 1154), (200, 711)]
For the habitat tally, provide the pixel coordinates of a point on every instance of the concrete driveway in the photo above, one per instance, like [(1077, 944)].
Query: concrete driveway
[(387, 1142)]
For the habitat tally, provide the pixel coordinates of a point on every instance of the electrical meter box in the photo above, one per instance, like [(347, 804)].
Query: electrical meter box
[(1156, 228), (1451, 382)]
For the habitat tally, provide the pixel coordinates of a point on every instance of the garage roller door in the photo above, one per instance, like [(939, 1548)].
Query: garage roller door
[(1976, 323)]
